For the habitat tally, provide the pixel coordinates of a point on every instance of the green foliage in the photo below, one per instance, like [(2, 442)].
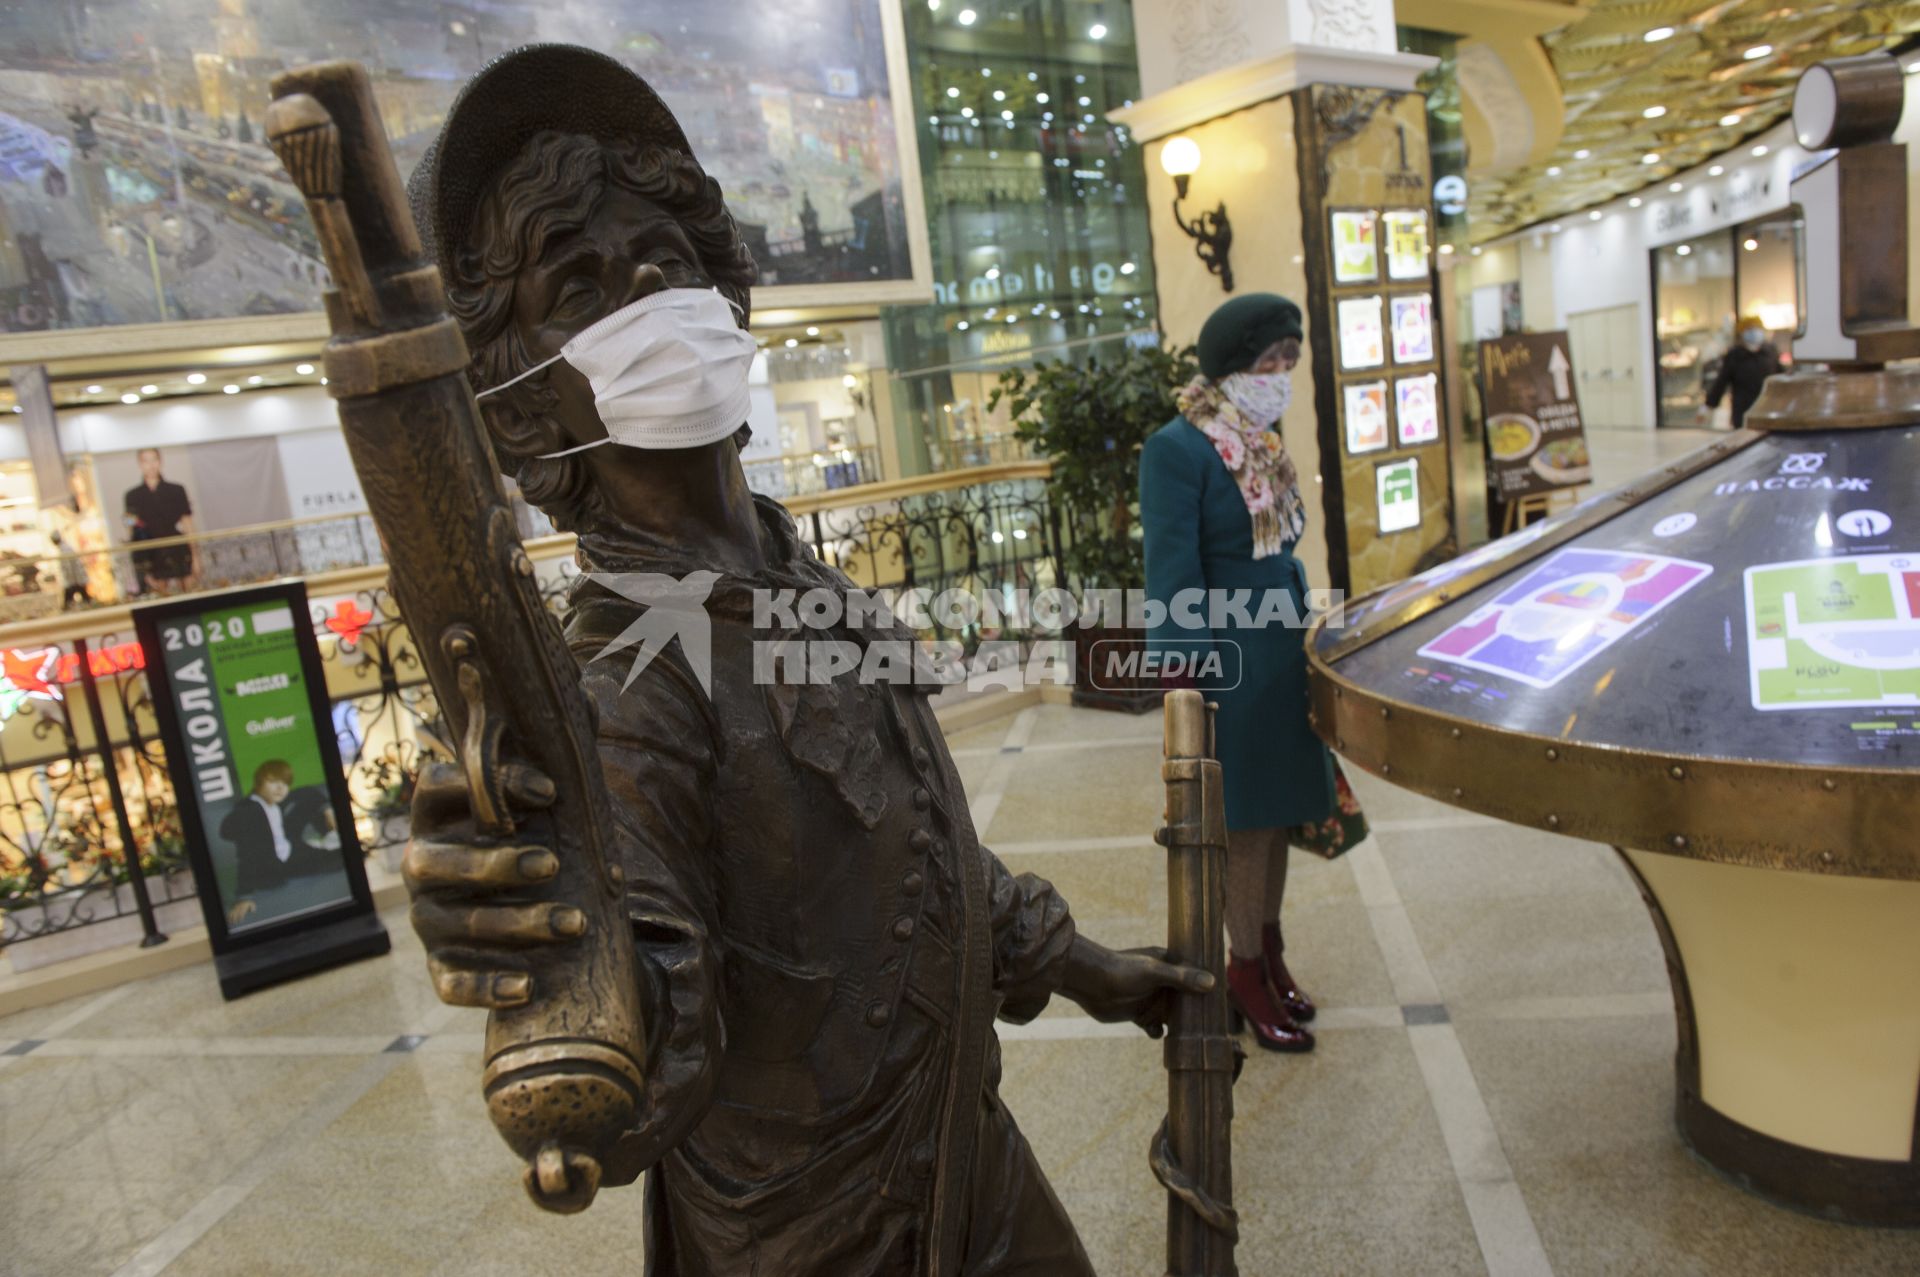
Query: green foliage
[(1090, 420)]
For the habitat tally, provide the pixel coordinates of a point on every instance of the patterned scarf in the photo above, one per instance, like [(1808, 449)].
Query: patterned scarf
[(1257, 458)]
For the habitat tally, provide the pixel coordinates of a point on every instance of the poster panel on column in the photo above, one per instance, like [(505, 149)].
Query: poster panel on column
[(239, 697)]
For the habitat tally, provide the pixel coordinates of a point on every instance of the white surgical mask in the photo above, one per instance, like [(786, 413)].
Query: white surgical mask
[(668, 371), (1261, 397), (1754, 338)]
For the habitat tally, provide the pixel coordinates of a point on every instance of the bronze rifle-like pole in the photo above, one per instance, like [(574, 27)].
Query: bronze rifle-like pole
[(563, 1068), (1193, 1153)]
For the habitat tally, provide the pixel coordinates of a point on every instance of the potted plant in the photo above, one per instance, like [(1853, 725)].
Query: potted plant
[(1090, 419)]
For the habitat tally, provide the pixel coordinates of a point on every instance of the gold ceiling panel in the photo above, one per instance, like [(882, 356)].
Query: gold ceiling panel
[(1611, 76)]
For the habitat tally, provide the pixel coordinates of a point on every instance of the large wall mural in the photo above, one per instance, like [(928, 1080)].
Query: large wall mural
[(136, 185)]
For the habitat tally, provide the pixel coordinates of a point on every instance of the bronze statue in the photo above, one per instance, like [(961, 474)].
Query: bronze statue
[(819, 944)]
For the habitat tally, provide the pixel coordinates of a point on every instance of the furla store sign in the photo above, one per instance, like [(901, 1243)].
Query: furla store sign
[(1713, 203)]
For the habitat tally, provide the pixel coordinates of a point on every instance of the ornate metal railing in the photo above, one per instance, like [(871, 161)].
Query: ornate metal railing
[(63, 854)]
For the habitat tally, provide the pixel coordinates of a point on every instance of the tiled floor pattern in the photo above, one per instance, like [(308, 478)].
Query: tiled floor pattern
[(1492, 1090)]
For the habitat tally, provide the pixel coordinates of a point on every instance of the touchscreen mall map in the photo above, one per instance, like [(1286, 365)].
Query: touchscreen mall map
[(1835, 632)]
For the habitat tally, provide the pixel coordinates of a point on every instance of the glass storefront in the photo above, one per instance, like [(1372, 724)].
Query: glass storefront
[(815, 421), (1036, 210), (1702, 287)]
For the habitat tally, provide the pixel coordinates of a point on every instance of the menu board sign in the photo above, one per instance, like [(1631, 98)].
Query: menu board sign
[(1356, 251), (1366, 416), (1406, 243), (1535, 439), (1417, 410), (1397, 493), (1413, 329), (1363, 342)]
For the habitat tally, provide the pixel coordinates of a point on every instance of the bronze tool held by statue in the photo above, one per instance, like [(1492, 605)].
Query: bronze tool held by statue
[(1192, 1154), (563, 1068)]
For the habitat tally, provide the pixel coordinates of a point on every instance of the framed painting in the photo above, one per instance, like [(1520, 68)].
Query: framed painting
[(142, 208)]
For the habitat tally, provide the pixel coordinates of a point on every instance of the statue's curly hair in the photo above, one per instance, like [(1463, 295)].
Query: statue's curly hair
[(551, 188)]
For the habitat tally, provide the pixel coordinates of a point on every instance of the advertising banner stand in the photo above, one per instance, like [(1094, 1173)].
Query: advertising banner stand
[(1536, 442), (239, 696)]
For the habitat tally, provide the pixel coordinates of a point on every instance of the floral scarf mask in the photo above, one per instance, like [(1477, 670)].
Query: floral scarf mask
[(1240, 414)]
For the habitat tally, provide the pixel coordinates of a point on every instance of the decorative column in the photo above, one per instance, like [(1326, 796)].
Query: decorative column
[(1312, 148)]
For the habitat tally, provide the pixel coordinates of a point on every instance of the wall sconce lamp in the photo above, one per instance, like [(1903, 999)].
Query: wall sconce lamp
[(1212, 233)]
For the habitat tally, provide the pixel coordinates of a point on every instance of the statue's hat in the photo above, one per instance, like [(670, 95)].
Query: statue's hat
[(526, 91)]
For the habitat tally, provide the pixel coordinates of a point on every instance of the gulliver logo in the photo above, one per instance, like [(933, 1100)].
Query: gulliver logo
[(676, 608)]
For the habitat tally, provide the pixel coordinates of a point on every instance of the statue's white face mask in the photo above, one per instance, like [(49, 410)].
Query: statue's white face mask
[(669, 371)]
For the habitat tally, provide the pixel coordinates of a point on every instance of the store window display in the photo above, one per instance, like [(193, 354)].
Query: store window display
[(1708, 291)]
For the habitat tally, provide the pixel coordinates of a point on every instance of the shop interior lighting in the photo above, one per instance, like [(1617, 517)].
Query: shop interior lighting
[(1730, 119), (229, 390), (1553, 170), (255, 380), (1676, 187), (305, 370), (1757, 52), (963, 325), (1750, 244), (1086, 101), (1716, 170), (149, 390), (1595, 215), (1651, 157), (1684, 250), (849, 381), (1126, 268), (966, 113), (812, 331), (993, 272), (1098, 31), (999, 95), (1658, 34), (986, 73), (1653, 112), (1582, 153), (1006, 115), (1446, 250), (792, 342), (95, 390), (1760, 150), (1042, 98), (129, 397), (193, 379), (967, 17), (953, 91), (1477, 250)]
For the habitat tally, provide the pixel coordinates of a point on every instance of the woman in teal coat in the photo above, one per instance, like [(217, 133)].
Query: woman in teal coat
[(1220, 509)]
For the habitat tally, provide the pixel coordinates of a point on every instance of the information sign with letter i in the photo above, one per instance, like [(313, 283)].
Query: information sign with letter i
[(240, 698)]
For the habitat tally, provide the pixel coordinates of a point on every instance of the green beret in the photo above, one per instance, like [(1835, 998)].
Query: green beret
[(1236, 335)]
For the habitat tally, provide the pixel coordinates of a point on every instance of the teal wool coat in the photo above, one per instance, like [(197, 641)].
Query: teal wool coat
[(1199, 536)]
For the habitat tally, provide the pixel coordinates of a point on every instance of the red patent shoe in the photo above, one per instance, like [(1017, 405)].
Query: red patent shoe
[(1252, 1001), (1298, 1004)]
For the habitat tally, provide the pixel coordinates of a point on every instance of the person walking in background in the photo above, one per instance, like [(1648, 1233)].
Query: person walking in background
[(156, 510), (1744, 369), (1220, 510)]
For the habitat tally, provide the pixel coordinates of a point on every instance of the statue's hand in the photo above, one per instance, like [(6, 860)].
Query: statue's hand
[(1132, 984), (471, 894)]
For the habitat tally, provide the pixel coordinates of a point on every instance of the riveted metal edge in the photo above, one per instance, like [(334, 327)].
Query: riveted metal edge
[(1851, 822)]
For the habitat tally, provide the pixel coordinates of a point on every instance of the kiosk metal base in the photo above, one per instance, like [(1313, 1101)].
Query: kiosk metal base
[(348, 940)]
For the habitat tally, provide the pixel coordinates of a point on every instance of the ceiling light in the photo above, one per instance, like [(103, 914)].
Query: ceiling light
[(129, 397), (966, 113), (933, 5), (305, 370), (1635, 202), (1716, 170), (993, 272), (1750, 244), (1759, 151), (229, 390), (1730, 119), (94, 390), (1757, 52), (952, 92), (792, 342), (1126, 268), (1582, 153), (964, 325), (1006, 115), (1658, 34), (1086, 101), (1477, 250), (1595, 215), (149, 390), (1676, 187), (1684, 249), (1098, 31), (1042, 98), (1446, 250), (1653, 112), (255, 380), (967, 17), (1555, 228), (1553, 170), (999, 95), (1651, 157), (196, 378)]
